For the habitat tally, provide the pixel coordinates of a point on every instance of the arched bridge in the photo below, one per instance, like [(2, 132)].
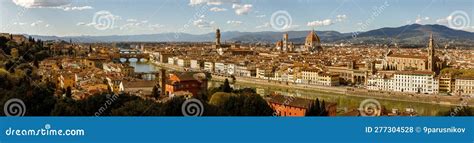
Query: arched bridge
[(130, 54)]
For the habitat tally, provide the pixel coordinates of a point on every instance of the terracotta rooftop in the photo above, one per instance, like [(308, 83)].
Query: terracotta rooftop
[(290, 101)]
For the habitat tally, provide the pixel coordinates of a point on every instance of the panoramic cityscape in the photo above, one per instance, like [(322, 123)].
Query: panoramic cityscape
[(236, 58)]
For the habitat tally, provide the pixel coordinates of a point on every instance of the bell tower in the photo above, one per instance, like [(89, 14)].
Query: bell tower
[(218, 37), (431, 55)]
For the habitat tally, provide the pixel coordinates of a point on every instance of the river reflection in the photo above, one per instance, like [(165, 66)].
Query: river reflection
[(344, 103)]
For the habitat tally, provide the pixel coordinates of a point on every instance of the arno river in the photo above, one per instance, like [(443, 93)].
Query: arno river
[(344, 103)]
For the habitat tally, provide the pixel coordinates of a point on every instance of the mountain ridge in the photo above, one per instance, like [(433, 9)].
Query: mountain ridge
[(407, 34)]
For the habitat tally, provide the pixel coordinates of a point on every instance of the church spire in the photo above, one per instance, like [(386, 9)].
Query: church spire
[(431, 54), (431, 42)]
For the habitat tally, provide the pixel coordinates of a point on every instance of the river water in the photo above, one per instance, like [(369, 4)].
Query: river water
[(344, 103)]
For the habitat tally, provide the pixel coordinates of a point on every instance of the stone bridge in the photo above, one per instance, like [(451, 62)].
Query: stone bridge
[(130, 54)]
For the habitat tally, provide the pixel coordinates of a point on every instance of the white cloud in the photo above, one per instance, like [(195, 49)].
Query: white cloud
[(232, 22), (444, 20), (265, 25), (58, 4), (131, 20), (81, 24), (290, 27), (19, 23), (216, 9), (203, 24), (36, 23), (137, 25), (90, 24), (72, 8), (325, 22), (102, 20), (211, 2), (127, 26), (47, 25), (340, 18), (242, 9), (260, 16), (41, 3), (155, 26), (420, 19)]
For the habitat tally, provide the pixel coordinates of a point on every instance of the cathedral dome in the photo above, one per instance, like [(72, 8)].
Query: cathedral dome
[(279, 43), (312, 37)]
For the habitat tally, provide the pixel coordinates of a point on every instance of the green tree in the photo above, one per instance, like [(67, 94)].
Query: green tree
[(173, 106), (255, 105), (68, 92), (138, 108), (67, 107), (317, 108), (155, 92), (459, 111), (226, 86)]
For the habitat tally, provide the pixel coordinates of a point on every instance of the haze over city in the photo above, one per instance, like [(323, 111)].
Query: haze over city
[(110, 17)]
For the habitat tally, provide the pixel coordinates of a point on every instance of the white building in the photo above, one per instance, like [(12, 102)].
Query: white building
[(220, 68), (230, 67), (264, 72), (465, 86), (423, 82), (172, 60), (209, 66), (196, 64), (244, 71), (416, 82), (183, 62), (380, 82)]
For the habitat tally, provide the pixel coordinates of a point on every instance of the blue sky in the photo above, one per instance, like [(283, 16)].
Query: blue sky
[(126, 17)]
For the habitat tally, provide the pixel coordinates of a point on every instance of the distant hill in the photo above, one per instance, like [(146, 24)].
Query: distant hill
[(413, 34), (404, 35)]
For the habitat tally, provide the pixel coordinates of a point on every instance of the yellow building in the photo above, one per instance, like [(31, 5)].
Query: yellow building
[(316, 77), (67, 80), (446, 83), (351, 73), (411, 62)]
